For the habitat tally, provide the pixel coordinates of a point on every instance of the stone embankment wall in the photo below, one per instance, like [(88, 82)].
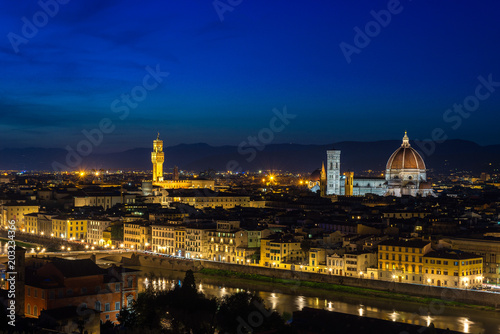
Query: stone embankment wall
[(446, 294)]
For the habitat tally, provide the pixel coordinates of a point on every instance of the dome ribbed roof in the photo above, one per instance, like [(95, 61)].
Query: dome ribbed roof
[(405, 157)]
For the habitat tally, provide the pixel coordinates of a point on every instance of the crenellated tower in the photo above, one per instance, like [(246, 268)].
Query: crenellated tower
[(157, 158)]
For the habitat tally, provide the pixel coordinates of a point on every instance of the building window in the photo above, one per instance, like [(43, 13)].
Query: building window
[(35, 311), (117, 306), (29, 309), (130, 299), (117, 287), (97, 305), (107, 307)]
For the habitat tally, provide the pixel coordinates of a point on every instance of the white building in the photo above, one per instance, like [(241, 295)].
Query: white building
[(95, 229)]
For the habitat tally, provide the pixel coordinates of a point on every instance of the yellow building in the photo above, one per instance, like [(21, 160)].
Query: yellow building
[(196, 242), (16, 212), (248, 244), (31, 222), (221, 243), (69, 227), (402, 260), (180, 241), (280, 252), (186, 184), (137, 235), (452, 268), (201, 199), (488, 248)]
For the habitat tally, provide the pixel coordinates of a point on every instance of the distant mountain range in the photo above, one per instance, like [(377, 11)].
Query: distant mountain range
[(355, 156)]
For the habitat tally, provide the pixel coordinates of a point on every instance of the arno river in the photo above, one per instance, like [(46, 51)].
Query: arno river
[(458, 319)]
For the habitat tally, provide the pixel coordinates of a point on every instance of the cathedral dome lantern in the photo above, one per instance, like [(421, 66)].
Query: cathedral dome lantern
[(405, 157)]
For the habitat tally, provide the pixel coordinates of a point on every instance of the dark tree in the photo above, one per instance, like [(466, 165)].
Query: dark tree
[(246, 313)]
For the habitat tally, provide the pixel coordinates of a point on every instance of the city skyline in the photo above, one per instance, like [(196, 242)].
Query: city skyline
[(218, 73)]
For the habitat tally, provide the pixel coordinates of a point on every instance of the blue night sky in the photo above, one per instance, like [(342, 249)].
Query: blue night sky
[(226, 77)]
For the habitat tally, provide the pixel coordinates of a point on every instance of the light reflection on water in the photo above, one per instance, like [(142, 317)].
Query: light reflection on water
[(289, 303)]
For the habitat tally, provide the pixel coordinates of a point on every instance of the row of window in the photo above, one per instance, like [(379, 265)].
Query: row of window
[(400, 257), (455, 263), (107, 306), (413, 250)]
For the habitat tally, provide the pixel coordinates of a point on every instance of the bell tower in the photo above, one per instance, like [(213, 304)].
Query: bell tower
[(322, 181), (157, 158)]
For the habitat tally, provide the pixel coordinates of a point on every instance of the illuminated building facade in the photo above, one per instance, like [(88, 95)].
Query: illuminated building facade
[(453, 269), (275, 252), (137, 235), (158, 158), (69, 228), (405, 175), (16, 212), (95, 231), (402, 260)]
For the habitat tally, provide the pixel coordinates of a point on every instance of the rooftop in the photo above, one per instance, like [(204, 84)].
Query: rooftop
[(414, 243)]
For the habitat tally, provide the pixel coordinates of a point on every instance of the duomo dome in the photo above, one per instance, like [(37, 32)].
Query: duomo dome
[(405, 172), (405, 157)]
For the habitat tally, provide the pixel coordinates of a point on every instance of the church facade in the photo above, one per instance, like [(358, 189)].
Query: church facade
[(405, 174)]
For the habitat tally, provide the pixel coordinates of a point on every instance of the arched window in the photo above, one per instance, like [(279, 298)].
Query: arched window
[(97, 305), (35, 311), (29, 309)]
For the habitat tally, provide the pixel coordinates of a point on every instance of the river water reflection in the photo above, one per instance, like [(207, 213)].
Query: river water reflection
[(457, 319)]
